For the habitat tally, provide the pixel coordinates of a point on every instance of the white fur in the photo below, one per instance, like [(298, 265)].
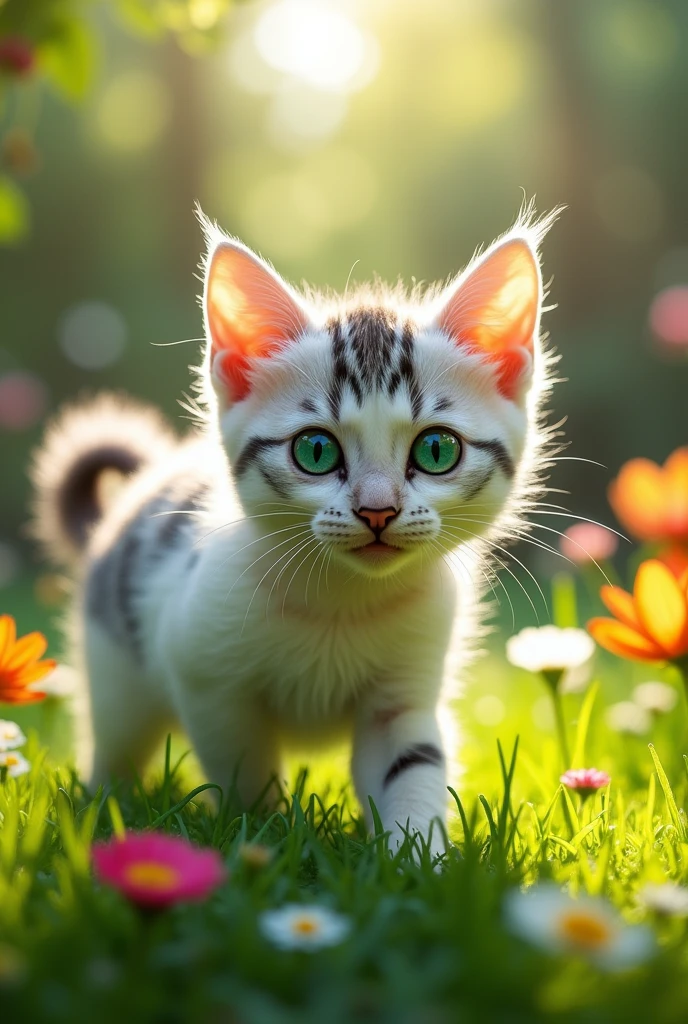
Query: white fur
[(281, 633)]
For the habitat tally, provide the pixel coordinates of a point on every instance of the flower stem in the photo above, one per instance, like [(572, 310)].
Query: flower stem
[(552, 677), (561, 728)]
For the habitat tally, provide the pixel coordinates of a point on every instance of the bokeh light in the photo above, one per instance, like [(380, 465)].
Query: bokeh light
[(299, 113), (23, 400), (315, 42), (669, 316), (489, 710), (92, 335), (133, 112)]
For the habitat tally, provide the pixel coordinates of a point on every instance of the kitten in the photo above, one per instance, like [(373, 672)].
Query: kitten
[(286, 574)]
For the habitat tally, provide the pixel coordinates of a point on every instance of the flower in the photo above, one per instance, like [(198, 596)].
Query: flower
[(651, 501), (156, 870), (588, 542), (676, 558), (549, 649), (588, 927), (11, 736), (667, 898), (585, 780), (255, 855), (657, 698), (308, 928), (651, 625), (14, 764), (628, 717), (20, 663)]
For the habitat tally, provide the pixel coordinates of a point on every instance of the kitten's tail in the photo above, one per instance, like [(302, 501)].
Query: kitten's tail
[(87, 452)]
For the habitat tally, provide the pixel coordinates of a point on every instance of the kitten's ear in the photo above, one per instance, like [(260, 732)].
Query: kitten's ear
[(249, 313), (494, 308)]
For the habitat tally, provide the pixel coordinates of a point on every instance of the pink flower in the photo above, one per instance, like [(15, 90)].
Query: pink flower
[(585, 780), (156, 870), (588, 542)]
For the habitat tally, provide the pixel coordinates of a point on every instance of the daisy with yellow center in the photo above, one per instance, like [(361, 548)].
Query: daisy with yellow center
[(587, 927), (13, 764), (308, 928), (11, 736)]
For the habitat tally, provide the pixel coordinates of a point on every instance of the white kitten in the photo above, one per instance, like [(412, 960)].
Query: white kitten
[(283, 575)]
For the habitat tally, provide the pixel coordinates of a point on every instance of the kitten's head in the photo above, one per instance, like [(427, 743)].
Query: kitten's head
[(386, 429)]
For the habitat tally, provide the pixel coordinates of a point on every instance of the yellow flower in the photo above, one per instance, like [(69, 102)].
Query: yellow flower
[(20, 664)]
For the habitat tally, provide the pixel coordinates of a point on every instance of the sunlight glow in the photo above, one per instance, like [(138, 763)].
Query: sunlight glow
[(314, 42)]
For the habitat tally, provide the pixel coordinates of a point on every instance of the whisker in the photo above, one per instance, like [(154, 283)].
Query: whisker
[(500, 547), (260, 581), (275, 547), (291, 580)]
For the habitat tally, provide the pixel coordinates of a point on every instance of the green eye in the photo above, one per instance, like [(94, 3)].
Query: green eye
[(316, 452), (436, 451)]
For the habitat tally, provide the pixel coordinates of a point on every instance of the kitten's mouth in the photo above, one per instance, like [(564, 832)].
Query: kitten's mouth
[(376, 548)]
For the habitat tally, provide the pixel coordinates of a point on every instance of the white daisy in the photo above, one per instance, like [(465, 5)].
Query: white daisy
[(297, 927), (14, 763), (667, 898), (658, 698), (11, 735), (628, 717), (550, 649), (588, 927)]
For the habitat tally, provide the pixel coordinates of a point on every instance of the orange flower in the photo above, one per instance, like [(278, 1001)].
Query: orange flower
[(651, 624), (20, 664), (651, 501)]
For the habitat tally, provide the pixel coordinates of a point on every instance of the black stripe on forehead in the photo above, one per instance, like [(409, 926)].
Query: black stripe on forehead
[(371, 353), (372, 339)]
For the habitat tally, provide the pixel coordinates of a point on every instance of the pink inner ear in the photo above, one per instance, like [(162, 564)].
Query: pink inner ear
[(495, 310), (250, 314)]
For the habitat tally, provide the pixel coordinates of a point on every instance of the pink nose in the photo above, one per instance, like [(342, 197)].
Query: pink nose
[(377, 518)]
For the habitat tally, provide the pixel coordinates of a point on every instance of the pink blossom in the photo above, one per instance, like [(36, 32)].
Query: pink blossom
[(156, 870), (588, 542), (585, 780)]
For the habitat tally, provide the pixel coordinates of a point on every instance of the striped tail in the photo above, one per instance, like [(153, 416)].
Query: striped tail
[(88, 447)]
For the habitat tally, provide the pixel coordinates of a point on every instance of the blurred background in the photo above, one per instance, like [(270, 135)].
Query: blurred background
[(388, 136)]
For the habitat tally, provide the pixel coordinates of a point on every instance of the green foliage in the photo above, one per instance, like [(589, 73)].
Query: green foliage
[(427, 944)]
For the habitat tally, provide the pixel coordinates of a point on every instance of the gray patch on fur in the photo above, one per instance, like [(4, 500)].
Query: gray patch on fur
[(116, 580)]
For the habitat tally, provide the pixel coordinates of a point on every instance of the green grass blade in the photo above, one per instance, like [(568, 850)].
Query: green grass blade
[(668, 795)]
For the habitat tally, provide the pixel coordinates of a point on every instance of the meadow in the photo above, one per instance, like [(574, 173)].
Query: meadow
[(345, 139), (562, 896)]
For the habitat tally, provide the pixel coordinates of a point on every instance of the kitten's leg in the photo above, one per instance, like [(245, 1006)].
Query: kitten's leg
[(398, 759), (236, 745), (128, 720)]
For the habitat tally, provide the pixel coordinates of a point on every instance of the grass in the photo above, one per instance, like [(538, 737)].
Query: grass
[(427, 945)]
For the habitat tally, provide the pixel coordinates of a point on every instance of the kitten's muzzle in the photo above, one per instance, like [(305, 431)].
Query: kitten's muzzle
[(377, 518)]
